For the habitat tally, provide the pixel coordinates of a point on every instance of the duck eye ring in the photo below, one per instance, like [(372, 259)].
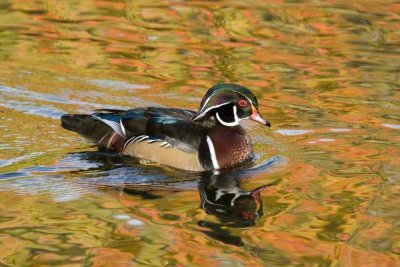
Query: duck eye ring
[(242, 103)]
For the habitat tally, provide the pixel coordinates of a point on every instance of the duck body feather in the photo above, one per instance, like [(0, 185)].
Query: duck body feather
[(168, 136)]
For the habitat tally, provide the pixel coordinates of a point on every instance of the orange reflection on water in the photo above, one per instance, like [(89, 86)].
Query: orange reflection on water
[(326, 76)]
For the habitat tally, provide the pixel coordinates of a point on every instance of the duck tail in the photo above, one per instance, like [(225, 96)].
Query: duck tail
[(74, 122), (97, 131)]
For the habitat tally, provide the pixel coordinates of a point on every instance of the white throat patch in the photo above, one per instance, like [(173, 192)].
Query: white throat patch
[(230, 124)]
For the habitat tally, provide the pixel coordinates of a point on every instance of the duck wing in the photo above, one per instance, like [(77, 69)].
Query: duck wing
[(115, 129)]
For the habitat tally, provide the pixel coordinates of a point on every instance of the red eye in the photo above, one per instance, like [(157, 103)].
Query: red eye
[(243, 103)]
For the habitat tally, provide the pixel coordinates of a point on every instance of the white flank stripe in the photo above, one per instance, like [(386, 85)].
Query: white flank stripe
[(212, 153), (144, 137), (165, 144), (128, 141), (134, 139), (137, 138)]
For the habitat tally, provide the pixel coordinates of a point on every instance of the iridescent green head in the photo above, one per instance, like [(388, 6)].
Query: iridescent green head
[(230, 103)]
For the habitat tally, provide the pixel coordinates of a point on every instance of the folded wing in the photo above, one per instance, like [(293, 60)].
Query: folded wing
[(116, 129)]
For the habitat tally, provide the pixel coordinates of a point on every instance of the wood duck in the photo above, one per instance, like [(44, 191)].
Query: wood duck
[(209, 139)]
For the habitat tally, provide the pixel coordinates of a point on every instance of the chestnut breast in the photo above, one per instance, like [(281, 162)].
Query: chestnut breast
[(232, 145)]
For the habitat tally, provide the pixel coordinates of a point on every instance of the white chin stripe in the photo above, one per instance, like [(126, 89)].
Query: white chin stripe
[(234, 123), (212, 153)]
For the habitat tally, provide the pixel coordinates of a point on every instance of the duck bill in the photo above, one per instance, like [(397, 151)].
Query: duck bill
[(255, 116)]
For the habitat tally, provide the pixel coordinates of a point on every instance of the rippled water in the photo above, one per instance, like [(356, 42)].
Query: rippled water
[(324, 186)]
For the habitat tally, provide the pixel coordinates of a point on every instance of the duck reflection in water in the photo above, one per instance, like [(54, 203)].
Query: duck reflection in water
[(222, 197), (221, 194)]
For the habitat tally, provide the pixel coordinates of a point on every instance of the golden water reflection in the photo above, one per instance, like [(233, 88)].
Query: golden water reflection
[(326, 75)]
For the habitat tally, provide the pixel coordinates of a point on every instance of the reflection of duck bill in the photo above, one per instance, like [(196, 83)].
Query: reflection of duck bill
[(256, 195)]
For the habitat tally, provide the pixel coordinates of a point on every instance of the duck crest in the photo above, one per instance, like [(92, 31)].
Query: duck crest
[(231, 144)]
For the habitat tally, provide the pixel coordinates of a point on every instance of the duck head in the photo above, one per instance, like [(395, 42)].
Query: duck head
[(229, 103)]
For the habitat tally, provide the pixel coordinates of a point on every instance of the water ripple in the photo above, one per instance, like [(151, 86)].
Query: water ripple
[(19, 105)]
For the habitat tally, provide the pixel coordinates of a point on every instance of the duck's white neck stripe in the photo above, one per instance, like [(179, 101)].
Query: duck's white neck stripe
[(212, 153), (235, 116)]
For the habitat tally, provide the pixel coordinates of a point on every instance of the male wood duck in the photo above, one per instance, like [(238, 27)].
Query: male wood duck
[(209, 139)]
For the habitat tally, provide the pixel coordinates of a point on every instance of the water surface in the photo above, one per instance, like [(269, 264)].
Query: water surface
[(324, 186)]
